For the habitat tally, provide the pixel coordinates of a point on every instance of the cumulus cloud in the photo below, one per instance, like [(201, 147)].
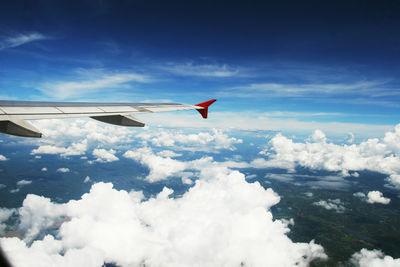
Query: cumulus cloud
[(103, 155), (3, 158), (24, 182), (63, 170), (216, 139), (373, 258), (75, 149), (161, 168), (87, 179), (21, 39), (69, 130), (221, 221), (44, 169), (331, 204), (381, 155), (373, 197), (377, 197), (318, 136)]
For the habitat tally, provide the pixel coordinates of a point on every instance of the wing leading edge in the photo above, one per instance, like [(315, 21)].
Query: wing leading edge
[(13, 114)]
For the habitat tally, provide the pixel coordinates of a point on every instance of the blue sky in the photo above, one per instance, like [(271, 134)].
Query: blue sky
[(324, 63)]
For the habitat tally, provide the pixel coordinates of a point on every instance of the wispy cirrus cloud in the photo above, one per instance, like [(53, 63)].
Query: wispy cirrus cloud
[(201, 70), (290, 114), (89, 81), (370, 88), (21, 39)]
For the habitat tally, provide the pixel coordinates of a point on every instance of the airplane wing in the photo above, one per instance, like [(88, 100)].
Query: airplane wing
[(13, 114)]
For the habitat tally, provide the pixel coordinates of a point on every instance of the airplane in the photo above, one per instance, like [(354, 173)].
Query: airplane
[(13, 114)]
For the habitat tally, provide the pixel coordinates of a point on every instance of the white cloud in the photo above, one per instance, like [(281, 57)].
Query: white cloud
[(302, 90), (94, 131), (223, 215), (160, 167), (4, 215), (394, 179), (381, 155), (373, 258), (89, 82), (3, 158), (350, 138), (291, 114), (217, 139), (63, 170), (331, 204), (318, 136), (168, 154), (251, 176), (377, 197), (24, 182), (252, 120), (69, 130), (359, 195), (87, 179), (75, 149), (2, 186), (309, 194), (44, 169), (280, 177), (21, 39), (13, 191), (373, 197), (103, 155), (208, 70)]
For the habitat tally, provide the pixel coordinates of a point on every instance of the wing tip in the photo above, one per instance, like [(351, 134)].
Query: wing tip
[(205, 105)]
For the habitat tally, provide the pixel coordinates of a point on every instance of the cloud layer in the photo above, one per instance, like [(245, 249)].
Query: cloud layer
[(380, 155), (221, 221), (215, 139)]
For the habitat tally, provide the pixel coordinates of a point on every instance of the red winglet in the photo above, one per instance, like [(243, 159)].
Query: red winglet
[(205, 105)]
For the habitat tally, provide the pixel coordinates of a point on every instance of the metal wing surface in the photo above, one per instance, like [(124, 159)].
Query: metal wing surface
[(13, 114)]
